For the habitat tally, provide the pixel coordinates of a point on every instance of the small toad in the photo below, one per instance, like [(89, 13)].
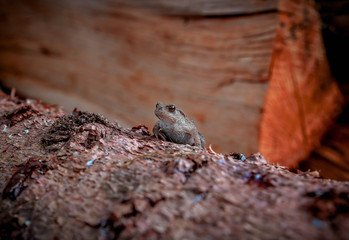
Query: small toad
[(174, 126)]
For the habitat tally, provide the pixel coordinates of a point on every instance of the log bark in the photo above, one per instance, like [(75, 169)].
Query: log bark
[(79, 176), (239, 68)]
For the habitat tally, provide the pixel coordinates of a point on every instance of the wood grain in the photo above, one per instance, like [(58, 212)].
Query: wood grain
[(202, 7), (302, 98)]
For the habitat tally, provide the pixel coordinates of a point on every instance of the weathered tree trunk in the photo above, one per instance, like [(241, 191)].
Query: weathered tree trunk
[(240, 68), (79, 176)]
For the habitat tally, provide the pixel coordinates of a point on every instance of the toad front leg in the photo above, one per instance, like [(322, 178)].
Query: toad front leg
[(197, 137), (159, 133)]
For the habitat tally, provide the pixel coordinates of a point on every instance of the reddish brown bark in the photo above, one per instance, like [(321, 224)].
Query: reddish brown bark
[(80, 176)]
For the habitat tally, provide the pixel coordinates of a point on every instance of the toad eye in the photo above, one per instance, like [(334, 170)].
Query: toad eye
[(171, 108)]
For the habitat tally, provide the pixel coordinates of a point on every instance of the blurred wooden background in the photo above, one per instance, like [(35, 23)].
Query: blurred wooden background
[(239, 68), (332, 156)]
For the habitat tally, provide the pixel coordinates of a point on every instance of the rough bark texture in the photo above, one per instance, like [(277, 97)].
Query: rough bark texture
[(80, 176), (240, 68)]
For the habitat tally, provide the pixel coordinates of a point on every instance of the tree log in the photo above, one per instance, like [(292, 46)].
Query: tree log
[(239, 68), (332, 156), (80, 176)]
